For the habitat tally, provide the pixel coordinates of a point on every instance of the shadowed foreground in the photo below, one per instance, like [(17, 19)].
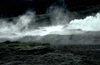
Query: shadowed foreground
[(32, 53)]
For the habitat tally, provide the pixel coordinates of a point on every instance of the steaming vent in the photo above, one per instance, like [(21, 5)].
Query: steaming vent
[(61, 24)]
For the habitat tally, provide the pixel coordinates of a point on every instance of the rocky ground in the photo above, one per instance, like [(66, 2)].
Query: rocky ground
[(32, 53)]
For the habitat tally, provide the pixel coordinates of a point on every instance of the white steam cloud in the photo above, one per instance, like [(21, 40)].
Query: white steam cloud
[(26, 25), (90, 23)]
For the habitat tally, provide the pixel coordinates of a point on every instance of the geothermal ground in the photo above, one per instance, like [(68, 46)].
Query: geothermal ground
[(59, 38), (33, 53)]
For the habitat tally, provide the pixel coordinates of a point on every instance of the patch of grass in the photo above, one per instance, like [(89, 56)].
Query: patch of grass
[(26, 45)]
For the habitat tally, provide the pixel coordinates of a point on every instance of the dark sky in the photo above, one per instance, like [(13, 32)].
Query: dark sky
[(16, 7)]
